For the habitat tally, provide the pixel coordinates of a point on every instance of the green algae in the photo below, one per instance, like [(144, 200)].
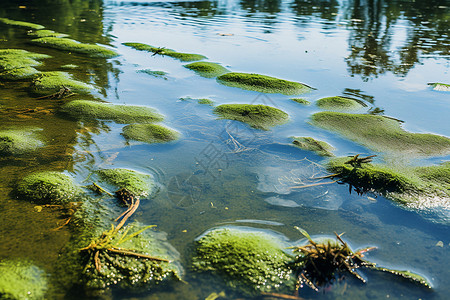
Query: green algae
[(382, 134), (160, 74), (21, 280), (75, 46), (122, 114), (48, 187), (301, 101), (250, 261), (308, 143), (21, 24), (338, 103), (18, 142), (164, 51), (19, 74), (137, 183), (441, 87), (18, 64), (205, 101), (149, 133), (256, 115), (207, 69), (47, 33), (262, 83), (46, 83)]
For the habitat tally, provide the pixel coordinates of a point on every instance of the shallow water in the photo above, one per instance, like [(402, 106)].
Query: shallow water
[(381, 52)]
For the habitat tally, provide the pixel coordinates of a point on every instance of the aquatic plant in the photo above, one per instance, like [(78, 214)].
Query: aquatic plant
[(47, 33), (301, 101), (308, 143), (205, 101), (21, 280), (149, 133), (339, 103), (46, 83), (137, 183), (17, 64), (382, 134), (21, 24), (258, 116), (122, 114), (17, 142), (164, 51), (48, 187), (207, 69), (250, 261), (75, 46), (262, 83), (442, 87), (160, 74)]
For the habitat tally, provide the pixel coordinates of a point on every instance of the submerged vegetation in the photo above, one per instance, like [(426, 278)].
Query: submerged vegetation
[(149, 133), (17, 142), (18, 64), (165, 52), (29, 25), (75, 46), (137, 183), (46, 83), (308, 143), (339, 103), (207, 69)]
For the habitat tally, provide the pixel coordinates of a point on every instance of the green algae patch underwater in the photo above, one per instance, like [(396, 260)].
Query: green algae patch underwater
[(137, 183), (21, 280), (338, 103), (249, 261), (158, 74), (382, 134), (18, 142), (207, 69), (18, 64), (48, 187), (164, 51), (122, 114), (47, 33), (319, 147), (441, 87), (263, 83), (75, 46), (21, 24), (46, 83), (258, 116), (416, 187), (301, 101), (149, 133)]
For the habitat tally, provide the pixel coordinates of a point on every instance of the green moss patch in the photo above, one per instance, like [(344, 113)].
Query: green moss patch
[(338, 103), (21, 280), (48, 187), (17, 64), (19, 74), (46, 83), (442, 87), (20, 24), (301, 101), (257, 116), (122, 114), (205, 101), (137, 183), (159, 74), (207, 69), (164, 51), (47, 33), (149, 133), (251, 261), (382, 134), (310, 144), (262, 83), (75, 46), (16, 142)]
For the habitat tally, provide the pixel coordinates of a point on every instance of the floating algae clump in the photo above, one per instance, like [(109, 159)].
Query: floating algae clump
[(16, 142), (338, 103), (163, 51), (122, 114), (20, 24), (160, 74), (382, 134), (46, 83), (207, 69), (17, 64), (137, 183), (258, 116), (48, 187), (21, 280), (442, 87), (262, 83), (308, 143), (47, 33), (75, 46), (251, 261), (149, 133), (301, 101)]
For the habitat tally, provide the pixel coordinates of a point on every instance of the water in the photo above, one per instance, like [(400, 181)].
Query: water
[(381, 52)]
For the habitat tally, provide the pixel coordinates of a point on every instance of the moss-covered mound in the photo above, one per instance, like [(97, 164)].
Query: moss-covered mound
[(205, 101), (122, 114), (382, 134), (20, 24), (149, 133), (48, 187), (21, 280), (17, 64), (75, 46), (438, 86), (16, 142), (338, 103), (262, 83), (301, 101), (257, 116), (207, 69), (251, 261), (47, 33), (46, 83), (137, 183), (308, 143), (160, 74), (163, 51)]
